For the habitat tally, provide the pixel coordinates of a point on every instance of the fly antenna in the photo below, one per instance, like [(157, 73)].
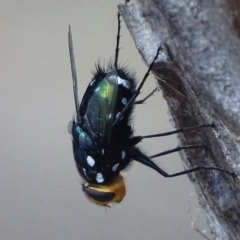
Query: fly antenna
[(74, 73)]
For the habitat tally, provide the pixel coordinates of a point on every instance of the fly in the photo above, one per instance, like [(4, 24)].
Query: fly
[(102, 135)]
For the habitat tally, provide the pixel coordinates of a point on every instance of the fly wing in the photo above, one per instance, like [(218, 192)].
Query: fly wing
[(74, 73), (100, 110)]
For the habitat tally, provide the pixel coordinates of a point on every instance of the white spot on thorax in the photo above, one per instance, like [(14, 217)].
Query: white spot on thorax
[(123, 154), (90, 161), (124, 101), (114, 168), (99, 178), (124, 82)]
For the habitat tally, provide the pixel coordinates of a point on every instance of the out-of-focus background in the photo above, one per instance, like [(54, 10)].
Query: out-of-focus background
[(41, 197)]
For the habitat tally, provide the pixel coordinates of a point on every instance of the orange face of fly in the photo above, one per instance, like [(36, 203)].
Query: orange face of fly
[(103, 195)]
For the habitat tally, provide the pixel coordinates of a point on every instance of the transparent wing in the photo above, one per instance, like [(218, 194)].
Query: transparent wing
[(74, 73)]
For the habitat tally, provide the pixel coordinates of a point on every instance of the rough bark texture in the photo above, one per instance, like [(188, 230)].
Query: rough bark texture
[(198, 71)]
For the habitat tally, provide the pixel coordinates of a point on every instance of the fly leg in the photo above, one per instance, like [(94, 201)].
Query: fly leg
[(142, 158), (135, 140), (137, 92), (118, 41), (177, 149), (148, 96), (178, 131)]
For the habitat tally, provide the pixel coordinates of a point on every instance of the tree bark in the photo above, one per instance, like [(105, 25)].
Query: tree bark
[(198, 71)]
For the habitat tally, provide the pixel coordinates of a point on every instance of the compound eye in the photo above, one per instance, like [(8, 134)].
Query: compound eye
[(105, 194), (98, 196)]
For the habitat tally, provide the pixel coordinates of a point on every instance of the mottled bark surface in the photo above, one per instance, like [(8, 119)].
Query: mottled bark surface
[(198, 71)]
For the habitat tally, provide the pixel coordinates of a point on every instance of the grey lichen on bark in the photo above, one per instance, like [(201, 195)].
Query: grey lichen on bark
[(198, 71)]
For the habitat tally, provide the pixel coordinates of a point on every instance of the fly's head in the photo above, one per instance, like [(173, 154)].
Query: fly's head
[(106, 194)]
